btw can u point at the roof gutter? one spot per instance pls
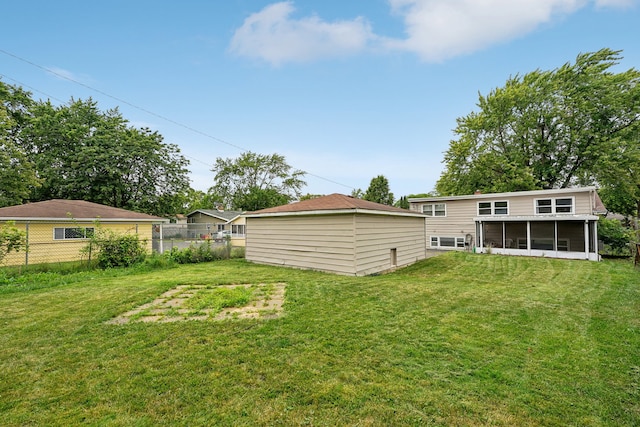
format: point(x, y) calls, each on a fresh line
point(336, 212)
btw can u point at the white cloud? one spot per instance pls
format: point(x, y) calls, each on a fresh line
point(435, 30)
point(441, 29)
point(62, 73)
point(273, 36)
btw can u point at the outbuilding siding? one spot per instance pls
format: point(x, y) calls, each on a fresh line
point(352, 244)
point(320, 242)
point(378, 235)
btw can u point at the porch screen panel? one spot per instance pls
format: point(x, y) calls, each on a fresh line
point(571, 236)
point(493, 234)
point(543, 235)
point(515, 235)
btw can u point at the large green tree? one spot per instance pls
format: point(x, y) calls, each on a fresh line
point(548, 129)
point(17, 172)
point(379, 192)
point(81, 152)
point(256, 181)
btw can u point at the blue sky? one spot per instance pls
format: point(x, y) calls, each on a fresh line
point(345, 90)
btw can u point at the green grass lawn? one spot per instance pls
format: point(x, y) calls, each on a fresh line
point(459, 339)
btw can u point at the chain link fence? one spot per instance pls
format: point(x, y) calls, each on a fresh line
point(48, 243)
point(169, 236)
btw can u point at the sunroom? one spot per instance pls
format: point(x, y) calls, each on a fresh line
point(571, 236)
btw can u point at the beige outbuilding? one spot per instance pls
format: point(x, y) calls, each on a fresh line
point(336, 233)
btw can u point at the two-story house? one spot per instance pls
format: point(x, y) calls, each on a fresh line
point(559, 223)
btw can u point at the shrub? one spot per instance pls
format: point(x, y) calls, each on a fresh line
point(204, 252)
point(615, 236)
point(117, 250)
point(11, 239)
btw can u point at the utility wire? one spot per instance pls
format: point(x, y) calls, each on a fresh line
point(167, 119)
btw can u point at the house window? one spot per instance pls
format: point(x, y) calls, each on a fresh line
point(493, 208)
point(564, 205)
point(72, 233)
point(554, 206)
point(237, 229)
point(435, 209)
point(447, 242)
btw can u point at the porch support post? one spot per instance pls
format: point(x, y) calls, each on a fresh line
point(481, 231)
point(586, 238)
point(529, 237)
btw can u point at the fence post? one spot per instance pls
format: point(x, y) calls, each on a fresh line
point(26, 247)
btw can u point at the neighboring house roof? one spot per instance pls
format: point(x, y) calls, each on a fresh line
point(220, 214)
point(333, 203)
point(598, 207)
point(58, 209)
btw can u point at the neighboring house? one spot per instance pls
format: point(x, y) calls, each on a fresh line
point(336, 233)
point(560, 223)
point(212, 223)
point(57, 230)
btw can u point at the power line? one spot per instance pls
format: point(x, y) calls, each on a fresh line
point(32, 88)
point(144, 110)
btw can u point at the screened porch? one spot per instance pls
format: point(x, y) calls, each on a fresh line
point(573, 237)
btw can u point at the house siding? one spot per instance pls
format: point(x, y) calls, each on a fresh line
point(460, 213)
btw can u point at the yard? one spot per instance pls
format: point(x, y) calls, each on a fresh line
point(458, 339)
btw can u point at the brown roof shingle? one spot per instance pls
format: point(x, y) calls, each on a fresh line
point(71, 209)
point(333, 202)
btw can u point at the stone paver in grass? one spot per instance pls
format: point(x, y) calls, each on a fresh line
point(210, 302)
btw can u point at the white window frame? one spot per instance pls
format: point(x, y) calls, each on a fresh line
point(433, 211)
point(238, 229)
point(554, 207)
point(86, 233)
point(459, 242)
point(492, 207)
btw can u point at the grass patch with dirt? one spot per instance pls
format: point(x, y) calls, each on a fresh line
point(458, 339)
